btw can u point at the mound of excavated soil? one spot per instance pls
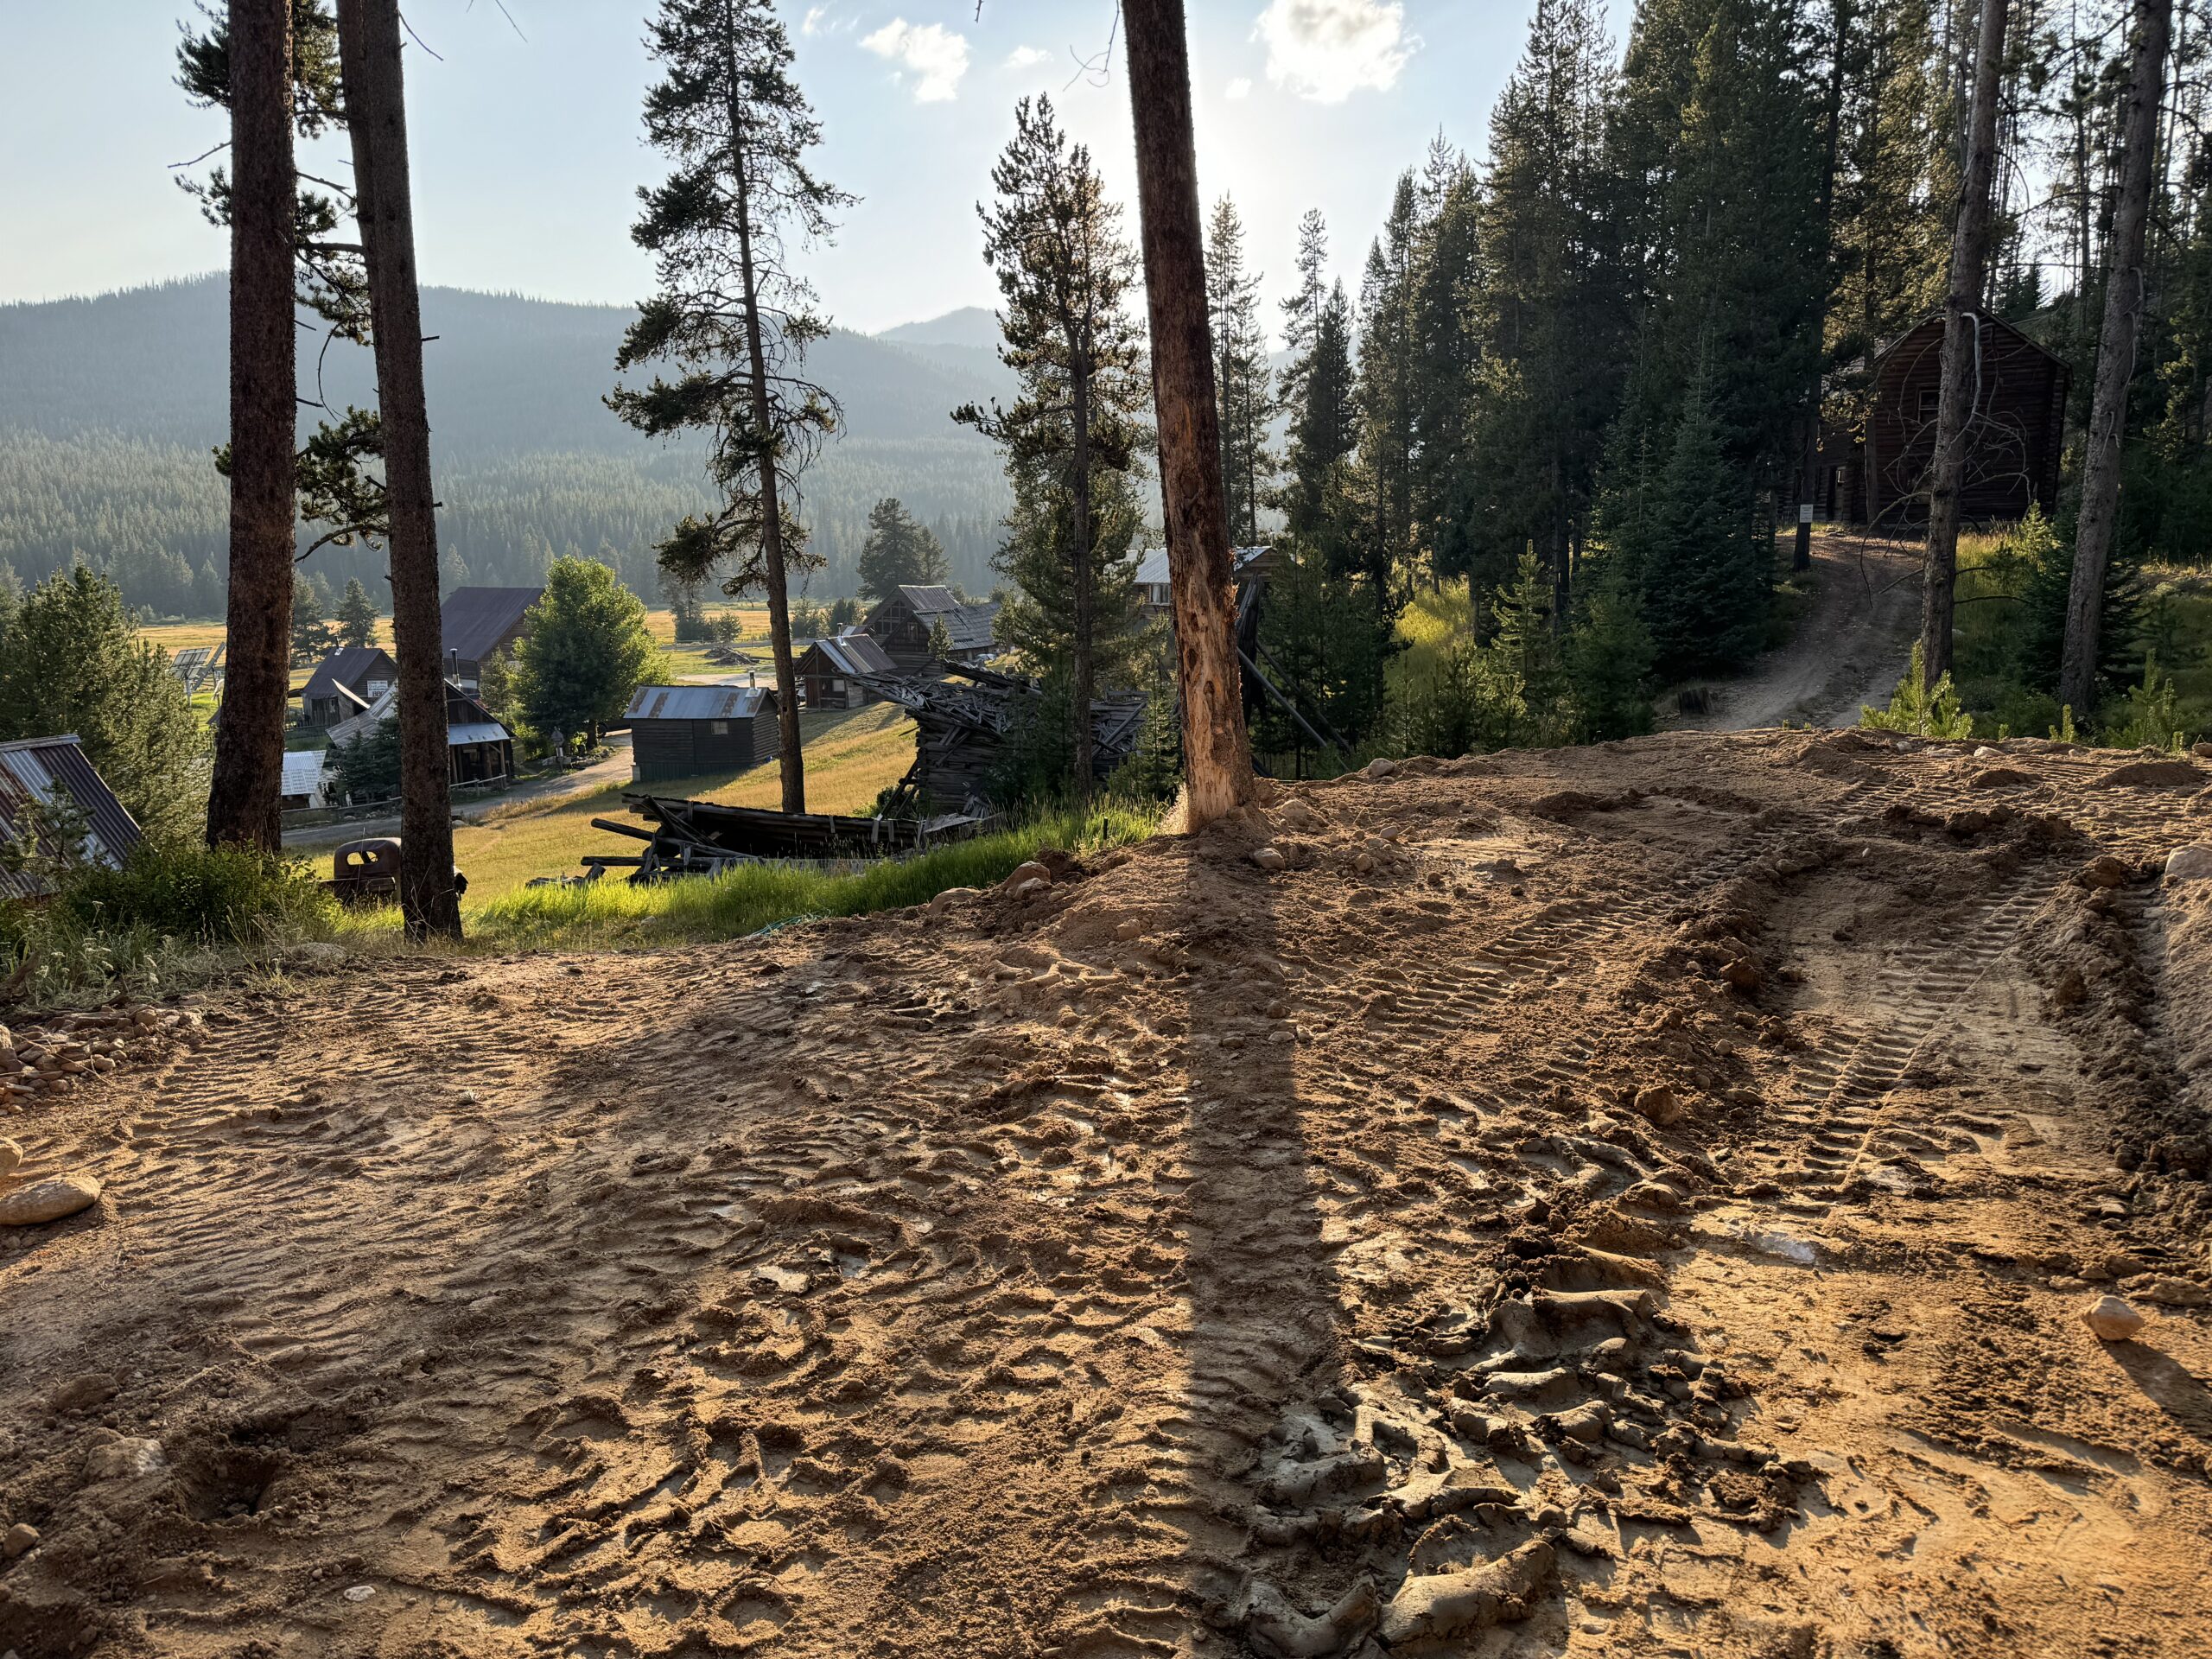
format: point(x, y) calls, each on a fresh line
point(1638, 1199)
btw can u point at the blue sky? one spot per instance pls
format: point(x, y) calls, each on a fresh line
point(527, 154)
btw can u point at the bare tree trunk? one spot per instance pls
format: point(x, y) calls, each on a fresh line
point(243, 803)
point(1216, 753)
point(1962, 376)
point(376, 104)
point(791, 761)
point(1086, 619)
point(2124, 280)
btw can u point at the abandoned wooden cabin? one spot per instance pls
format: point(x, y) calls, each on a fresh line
point(475, 624)
point(831, 674)
point(904, 625)
point(688, 731)
point(479, 749)
point(345, 683)
point(1879, 475)
point(1246, 563)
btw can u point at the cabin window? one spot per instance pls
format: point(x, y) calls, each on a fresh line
point(721, 727)
point(1930, 400)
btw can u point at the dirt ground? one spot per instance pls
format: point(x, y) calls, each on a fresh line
point(1849, 652)
point(1631, 1200)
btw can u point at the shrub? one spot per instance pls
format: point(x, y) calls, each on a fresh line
point(1930, 711)
point(227, 896)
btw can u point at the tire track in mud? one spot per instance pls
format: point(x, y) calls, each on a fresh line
point(1841, 1099)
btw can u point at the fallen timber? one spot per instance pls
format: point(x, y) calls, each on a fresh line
point(705, 838)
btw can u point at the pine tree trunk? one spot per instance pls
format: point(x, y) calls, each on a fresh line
point(243, 799)
point(1962, 380)
point(2124, 280)
point(791, 761)
point(1216, 752)
point(376, 104)
point(1079, 550)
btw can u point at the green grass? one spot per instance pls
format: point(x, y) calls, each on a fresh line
point(611, 914)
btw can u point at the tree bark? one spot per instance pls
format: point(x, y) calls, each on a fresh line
point(1086, 617)
point(1961, 375)
point(791, 761)
point(2125, 282)
point(1216, 752)
point(243, 799)
point(369, 48)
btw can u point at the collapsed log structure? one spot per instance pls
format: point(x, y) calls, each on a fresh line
point(706, 838)
point(966, 723)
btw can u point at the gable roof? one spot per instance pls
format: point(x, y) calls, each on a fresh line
point(54, 769)
point(1934, 320)
point(469, 725)
point(969, 625)
point(854, 653)
point(344, 665)
point(699, 701)
point(474, 620)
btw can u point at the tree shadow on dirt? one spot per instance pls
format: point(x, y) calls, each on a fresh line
point(2169, 1385)
point(1264, 1295)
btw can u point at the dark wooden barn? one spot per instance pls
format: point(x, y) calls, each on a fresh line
point(478, 623)
point(1880, 475)
point(831, 672)
point(345, 683)
point(903, 623)
point(687, 731)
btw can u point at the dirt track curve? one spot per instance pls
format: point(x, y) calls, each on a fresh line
point(1631, 1200)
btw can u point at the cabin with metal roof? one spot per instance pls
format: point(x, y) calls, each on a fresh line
point(833, 673)
point(903, 623)
point(480, 750)
point(1878, 474)
point(476, 624)
point(56, 811)
point(688, 731)
point(306, 779)
point(345, 683)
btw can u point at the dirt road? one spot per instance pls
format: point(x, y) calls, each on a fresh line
point(1849, 652)
point(1632, 1200)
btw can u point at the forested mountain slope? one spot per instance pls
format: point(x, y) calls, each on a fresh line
point(109, 406)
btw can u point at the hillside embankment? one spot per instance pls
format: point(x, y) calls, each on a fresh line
point(1639, 1200)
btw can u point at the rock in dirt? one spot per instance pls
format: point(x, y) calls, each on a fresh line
point(126, 1460)
point(2111, 1320)
point(21, 1540)
point(1268, 859)
point(1022, 874)
point(10, 1156)
point(1659, 1104)
point(1277, 1628)
point(1300, 816)
point(2172, 1292)
point(1448, 1604)
point(2191, 863)
point(949, 897)
point(48, 1200)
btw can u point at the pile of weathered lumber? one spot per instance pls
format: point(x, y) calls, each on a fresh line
point(965, 723)
point(705, 838)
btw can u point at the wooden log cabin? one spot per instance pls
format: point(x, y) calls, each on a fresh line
point(1879, 475)
point(689, 731)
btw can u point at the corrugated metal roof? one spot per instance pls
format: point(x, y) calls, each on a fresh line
point(303, 771)
point(475, 731)
point(474, 620)
point(968, 626)
point(856, 653)
point(698, 702)
point(49, 769)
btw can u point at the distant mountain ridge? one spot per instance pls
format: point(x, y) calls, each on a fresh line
point(109, 406)
point(970, 326)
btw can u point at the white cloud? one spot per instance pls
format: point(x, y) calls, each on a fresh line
point(1028, 57)
point(814, 17)
point(933, 54)
point(1328, 49)
point(1240, 87)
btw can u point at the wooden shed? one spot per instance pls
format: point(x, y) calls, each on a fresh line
point(830, 673)
point(345, 683)
point(1879, 475)
point(687, 731)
